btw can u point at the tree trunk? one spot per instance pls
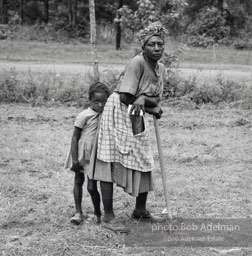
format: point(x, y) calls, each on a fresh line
point(118, 28)
point(93, 39)
point(220, 5)
point(46, 11)
point(75, 7)
point(55, 9)
point(21, 11)
point(2, 11)
point(70, 14)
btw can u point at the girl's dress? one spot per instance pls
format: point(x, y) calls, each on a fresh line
point(88, 121)
point(121, 157)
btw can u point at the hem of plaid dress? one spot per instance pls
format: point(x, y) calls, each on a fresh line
point(132, 181)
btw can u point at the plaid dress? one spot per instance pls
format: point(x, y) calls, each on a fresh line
point(116, 142)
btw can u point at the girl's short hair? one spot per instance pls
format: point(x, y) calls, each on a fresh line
point(98, 87)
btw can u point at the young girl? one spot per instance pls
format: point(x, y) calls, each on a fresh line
point(85, 128)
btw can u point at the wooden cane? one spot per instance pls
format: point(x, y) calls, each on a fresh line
point(164, 174)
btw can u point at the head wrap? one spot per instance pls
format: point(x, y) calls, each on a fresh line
point(154, 29)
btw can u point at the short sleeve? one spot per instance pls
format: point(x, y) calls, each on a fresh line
point(132, 76)
point(80, 120)
point(164, 80)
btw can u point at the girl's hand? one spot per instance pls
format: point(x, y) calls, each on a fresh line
point(76, 167)
point(138, 105)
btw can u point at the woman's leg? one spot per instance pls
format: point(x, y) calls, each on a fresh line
point(140, 211)
point(95, 196)
point(141, 203)
point(107, 199)
point(77, 190)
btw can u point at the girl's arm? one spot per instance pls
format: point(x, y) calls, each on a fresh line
point(74, 146)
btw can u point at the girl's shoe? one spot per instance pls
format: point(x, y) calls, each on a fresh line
point(77, 219)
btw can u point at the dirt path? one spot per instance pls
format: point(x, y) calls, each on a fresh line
point(202, 72)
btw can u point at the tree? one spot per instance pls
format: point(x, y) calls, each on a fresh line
point(220, 5)
point(93, 38)
point(118, 27)
point(21, 10)
point(46, 11)
point(72, 6)
point(75, 7)
point(209, 28)
point(70, 14)
point(3, 11)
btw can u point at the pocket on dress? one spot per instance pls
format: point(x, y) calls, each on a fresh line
point(122, 141)
point(141, 142)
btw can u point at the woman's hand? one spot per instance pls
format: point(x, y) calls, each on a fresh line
point(138, 105)
point(156, 111)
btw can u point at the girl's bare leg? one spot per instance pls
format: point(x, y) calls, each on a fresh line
point(96, 199)
point(77, 191)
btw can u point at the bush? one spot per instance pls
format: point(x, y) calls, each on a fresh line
point(243, 44)
point(49, 88)
point(9, 91)
point(208, 28)
point(221, 91)
point(57, 31)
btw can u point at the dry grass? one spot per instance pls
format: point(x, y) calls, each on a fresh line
point(208, 159)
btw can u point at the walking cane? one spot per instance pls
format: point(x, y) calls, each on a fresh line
point(164, 174)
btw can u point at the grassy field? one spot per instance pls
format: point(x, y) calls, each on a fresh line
point(207, 156)
point(81, 53)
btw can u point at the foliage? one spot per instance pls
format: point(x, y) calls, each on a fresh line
point(209, 27)
point(171, 60)
point(33, 12)
point(44, 32)
point(243, 44)
point(52, 88)
point(169, 13)
point(220, 91)
point(49, 88)
point(136, 20)
point(219, 18)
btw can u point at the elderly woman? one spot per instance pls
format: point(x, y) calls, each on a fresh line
point(123, 151)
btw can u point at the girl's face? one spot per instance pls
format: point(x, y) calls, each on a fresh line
point(154, 48)
point(98, 101)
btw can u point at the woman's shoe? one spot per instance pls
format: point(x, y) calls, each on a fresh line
point(147, 217)
point(116, 225)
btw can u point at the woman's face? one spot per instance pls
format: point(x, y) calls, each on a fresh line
point(154, 48)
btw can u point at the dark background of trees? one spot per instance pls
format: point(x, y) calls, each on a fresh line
point(182, 17)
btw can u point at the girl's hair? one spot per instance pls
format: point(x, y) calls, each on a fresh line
point(98, 87)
